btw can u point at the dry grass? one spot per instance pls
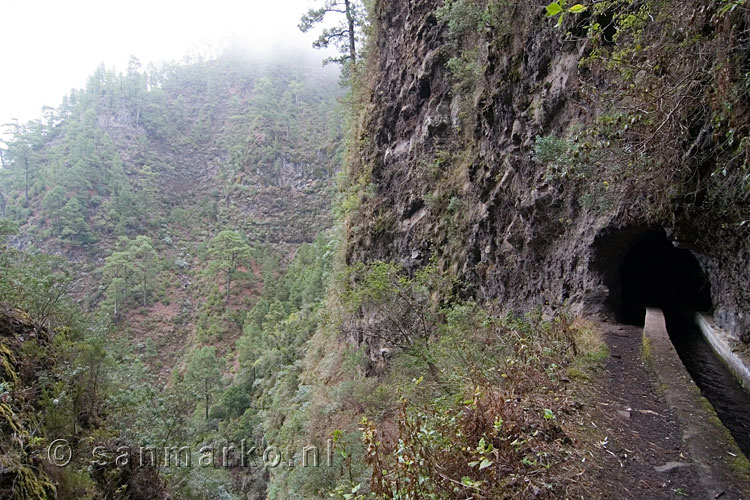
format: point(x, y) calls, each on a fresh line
point(513, 435)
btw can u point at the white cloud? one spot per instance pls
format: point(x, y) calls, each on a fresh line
point(52, 46)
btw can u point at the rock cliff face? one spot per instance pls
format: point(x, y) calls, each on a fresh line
point(454, 166)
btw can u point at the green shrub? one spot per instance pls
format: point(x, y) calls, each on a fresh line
point(558, 155)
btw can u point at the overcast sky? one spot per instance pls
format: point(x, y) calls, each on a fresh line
point(50, 47)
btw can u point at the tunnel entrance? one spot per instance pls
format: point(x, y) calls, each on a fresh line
point(656, 274)
point(642, 268)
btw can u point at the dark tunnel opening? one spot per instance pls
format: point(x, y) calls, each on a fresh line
point(656, 274)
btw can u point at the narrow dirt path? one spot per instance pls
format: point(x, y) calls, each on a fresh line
point(643, 456)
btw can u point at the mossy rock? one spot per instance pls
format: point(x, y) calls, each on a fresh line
point(7, 365)
point(31, 486)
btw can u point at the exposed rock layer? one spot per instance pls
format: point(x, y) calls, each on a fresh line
point(455, 177)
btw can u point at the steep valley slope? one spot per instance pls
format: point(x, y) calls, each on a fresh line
point(177, 154)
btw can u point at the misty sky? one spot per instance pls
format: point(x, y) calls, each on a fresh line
point(50, 47)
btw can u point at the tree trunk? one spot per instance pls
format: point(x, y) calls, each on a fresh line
point(229, 283)
point(350, 20)
point(26, 182)
point(208, 396)
point(229, 277)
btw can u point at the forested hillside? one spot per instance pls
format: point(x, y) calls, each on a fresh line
point(124, 155)
point(156, 181)
point(173, 199)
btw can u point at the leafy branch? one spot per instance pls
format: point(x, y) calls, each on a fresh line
point(559, 8)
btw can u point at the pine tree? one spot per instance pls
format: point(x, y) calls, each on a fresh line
point(228, 250)
point(117, 271)
point(53, 202)
point(144, 260)
point(204, 373)
point(344, 35)
point(74, 226)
